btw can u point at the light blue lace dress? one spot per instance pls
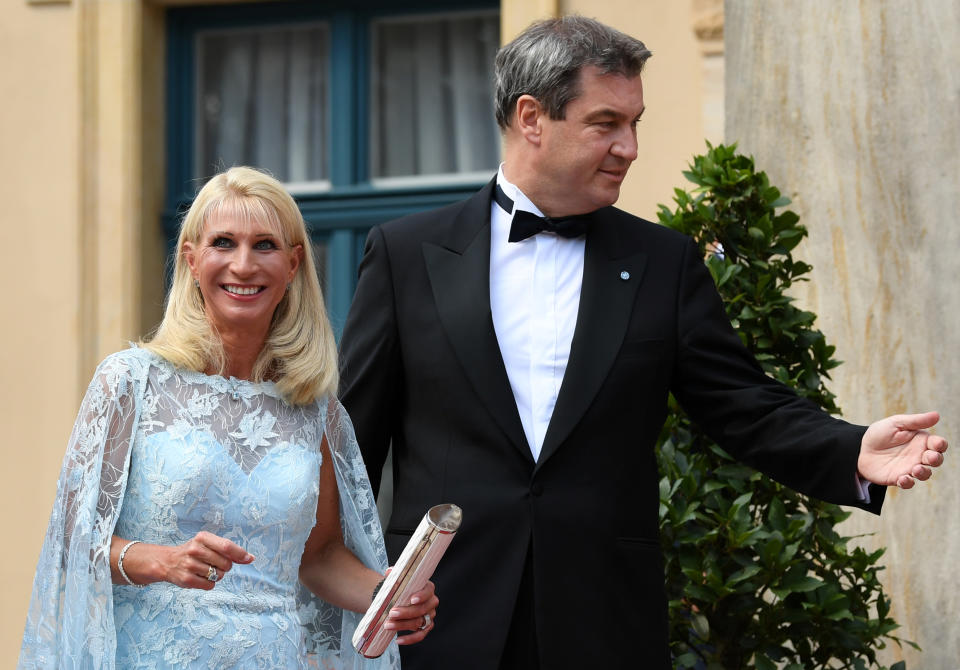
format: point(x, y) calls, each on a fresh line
point(158, 454)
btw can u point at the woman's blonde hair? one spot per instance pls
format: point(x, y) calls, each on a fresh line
point(300, 353)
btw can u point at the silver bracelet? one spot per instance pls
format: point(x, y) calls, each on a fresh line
point(120, 564)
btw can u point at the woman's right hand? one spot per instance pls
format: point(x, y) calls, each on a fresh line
point(189, 564)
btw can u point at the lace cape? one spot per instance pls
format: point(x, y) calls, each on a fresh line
point(70, 620)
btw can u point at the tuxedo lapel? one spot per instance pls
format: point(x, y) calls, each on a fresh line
point(459, 272)
point(611, 276)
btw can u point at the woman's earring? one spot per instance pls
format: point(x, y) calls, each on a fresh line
point(288, 286)
point(196, 282)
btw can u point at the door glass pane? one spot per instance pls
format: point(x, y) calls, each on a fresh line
point(262, 100)
point(432, 95)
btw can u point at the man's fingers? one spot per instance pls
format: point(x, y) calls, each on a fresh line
point(916, 421)
point(905, 482)
point(932, 458)
point(921, 472)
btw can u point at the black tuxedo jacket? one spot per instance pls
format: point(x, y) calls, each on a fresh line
point(422, 369)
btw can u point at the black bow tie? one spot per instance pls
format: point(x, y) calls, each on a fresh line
point(527, 224)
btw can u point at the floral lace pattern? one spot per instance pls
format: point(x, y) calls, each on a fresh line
point(158, 454)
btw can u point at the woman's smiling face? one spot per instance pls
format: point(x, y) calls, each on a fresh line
point(243, 267)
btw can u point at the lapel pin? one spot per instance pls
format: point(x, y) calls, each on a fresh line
point(624, 275)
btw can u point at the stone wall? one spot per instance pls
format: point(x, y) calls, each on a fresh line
point(853, 110)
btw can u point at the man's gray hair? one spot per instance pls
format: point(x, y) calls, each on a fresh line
point(545, 61)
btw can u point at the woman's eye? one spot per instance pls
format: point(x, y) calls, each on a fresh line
point(222, 242)
point(264, 245)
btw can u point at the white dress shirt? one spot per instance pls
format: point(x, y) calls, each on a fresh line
point(534, 301)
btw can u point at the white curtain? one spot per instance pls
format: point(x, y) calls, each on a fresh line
point(432, 95)
point(262, 97)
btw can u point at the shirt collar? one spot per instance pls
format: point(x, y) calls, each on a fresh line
point(520, 201)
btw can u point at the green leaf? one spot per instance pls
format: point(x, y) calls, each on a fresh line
point(802, 584)
point(742, 500)
point(744, 574)
point(840, 614)
point(776, 515)
point(772, 551)
point(700, 593)
point(665, 489)
point(701, 626)
point(712, 485)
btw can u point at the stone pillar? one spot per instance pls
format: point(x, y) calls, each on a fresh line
point(852, 109)
point(708, 27)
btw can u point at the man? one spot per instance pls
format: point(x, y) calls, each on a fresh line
point(523, 375)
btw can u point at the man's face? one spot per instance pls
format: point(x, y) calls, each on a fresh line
point(584, 157)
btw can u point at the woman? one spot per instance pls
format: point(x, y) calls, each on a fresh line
point(212, 492)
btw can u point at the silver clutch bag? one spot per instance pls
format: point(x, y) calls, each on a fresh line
point(412, 570)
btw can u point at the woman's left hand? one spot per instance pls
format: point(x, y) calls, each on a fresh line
point(419, 616)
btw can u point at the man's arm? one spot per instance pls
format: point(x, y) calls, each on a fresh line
point(766, 425)
point(371, 369)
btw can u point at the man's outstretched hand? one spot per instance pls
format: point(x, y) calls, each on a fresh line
point(898, 450)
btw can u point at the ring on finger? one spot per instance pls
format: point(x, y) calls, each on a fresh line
point(426, 622)
point(212, 574)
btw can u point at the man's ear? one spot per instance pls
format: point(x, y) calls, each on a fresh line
point(529, 118)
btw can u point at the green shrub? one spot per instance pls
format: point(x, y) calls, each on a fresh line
point(757, 575)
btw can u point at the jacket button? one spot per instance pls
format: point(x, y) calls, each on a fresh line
point(537, 489)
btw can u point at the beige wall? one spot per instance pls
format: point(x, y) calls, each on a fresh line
point(852, 108)
point(82, 135)
point(40, 192)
